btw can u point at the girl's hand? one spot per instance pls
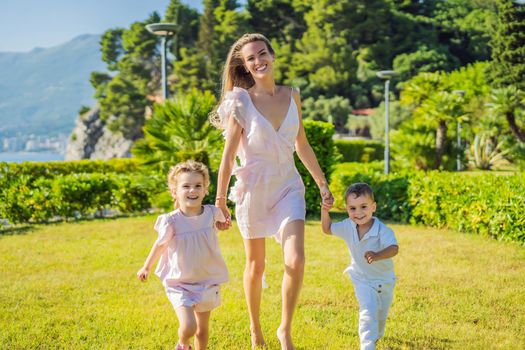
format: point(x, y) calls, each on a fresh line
point(143, 274)
point(221, 204)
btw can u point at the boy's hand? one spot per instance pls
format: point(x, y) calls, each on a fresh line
point(143, 274)
point(326, 205)
point(370, 257)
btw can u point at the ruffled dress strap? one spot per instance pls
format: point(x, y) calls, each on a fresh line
point(234, 104)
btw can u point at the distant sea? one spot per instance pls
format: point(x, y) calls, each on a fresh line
point(19, 157)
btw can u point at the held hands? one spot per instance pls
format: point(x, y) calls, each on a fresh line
point(371, 257)
point(143, 274)
point(326, 205)
point(326, 195)
point(221, 204)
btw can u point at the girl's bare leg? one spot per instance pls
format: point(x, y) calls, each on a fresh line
point(255, 253)
point(187, 324)
point(203, 333)
point(293, 250)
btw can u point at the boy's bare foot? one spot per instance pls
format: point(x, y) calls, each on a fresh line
point(285, 338)
point(257, 339)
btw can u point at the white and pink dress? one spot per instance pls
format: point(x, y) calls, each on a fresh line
point(268, 192)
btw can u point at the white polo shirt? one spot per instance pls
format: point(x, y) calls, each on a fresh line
point(376, 239)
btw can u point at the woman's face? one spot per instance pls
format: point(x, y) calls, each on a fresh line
point(257, 59)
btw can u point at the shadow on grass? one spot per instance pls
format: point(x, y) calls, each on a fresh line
point(18, 230)
point(334, 215)
point(422, 343)
point(25, 228)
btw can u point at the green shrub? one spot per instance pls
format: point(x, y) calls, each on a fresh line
point(319, 136)
point(41, 192)
point(360, 150)
point(16, 197)
point(487, 204)
point(50, 169)
point(82, 194)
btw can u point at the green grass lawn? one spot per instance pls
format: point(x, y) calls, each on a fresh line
point(73, 286)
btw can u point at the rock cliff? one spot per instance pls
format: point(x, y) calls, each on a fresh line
point(91, 139)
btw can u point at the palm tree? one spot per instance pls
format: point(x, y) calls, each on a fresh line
point(178, 130)
point(442, 108)
point(434, 105)
point(509, 102)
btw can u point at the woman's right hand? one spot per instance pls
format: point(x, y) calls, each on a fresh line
point(221, 204)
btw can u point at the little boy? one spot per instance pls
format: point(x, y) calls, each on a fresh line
point(371, 245)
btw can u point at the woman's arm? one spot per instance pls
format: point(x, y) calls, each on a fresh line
point(233, 138)
point(307, 155)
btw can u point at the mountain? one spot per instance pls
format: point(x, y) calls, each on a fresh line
point(41, 91)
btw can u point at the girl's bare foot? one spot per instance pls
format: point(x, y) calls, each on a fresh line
point(285, 338)
point(257, 339)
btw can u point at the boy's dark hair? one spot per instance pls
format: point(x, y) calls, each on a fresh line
point(359, 189)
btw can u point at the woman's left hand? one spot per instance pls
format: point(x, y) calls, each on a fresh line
point(326, 195)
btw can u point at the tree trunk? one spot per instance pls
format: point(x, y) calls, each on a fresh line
point(441, 136)
point(520, 134)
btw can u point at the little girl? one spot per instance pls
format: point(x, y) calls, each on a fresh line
point(191, 266)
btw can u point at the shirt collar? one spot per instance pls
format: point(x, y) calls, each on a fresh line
point(374, 230)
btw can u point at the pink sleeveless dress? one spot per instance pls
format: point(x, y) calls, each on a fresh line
point(268, 192)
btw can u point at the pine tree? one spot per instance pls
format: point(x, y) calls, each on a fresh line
point(220, 25)
point(508, 63)
point(132, 57)
point(508, 46)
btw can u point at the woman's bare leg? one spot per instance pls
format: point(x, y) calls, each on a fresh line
point(255, 253)
point(293, 250)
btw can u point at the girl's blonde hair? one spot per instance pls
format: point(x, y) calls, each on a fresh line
point(234, 72)
point(189, 166)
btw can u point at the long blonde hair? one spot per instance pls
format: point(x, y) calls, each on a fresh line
point(189, 166)
point(234, 73)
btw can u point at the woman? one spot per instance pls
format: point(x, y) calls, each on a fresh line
point(263, 127)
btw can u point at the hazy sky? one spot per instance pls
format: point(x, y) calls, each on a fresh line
point(26, 24)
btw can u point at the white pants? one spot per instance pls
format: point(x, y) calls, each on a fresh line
point(374, 301)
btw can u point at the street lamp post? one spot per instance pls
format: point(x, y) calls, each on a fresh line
point(458, 133)
point(164, 30)
point(386, 75)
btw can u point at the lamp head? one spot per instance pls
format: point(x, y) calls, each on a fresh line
point(386, 74)
point(162, 29)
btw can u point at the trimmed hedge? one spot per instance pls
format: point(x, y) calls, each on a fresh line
point(487, 204)
point(360, 150)
point(319, 136)
point(45, 191)
point(72, 196)
point(50, 169)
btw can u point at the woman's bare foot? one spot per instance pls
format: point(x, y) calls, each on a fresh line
point(285, 338)
point(257, 339)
